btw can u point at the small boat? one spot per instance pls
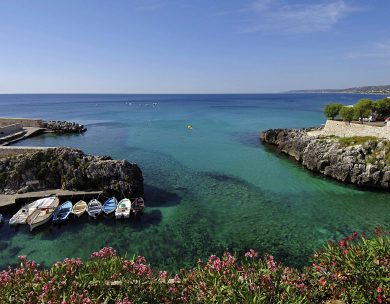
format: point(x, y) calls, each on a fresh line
point(61, 214)
point(1, 218)
point(43, 213)
point(94, 208)
point(123, 209)
point(79, 208)
point(110, 205)
point(20, 217)
point(138, 205)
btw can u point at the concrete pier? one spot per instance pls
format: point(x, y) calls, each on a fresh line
point(15, 201)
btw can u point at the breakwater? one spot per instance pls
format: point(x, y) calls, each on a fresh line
point(15, 129)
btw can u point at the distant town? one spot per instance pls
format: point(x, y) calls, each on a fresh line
point(383, 89)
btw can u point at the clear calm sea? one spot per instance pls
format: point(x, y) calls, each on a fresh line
point(210, 189)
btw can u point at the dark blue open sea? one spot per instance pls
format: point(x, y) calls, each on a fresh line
point(210, 189)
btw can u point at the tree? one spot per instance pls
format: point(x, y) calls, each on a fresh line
point(332, 110)
point(382, 107)
point(363, 108)
point(347, 113)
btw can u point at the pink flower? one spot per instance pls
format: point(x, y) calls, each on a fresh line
point(322, 281)
point(22, 258)
point(124, 301)
point(163, 275)
point(271, 263)
point(251, 254)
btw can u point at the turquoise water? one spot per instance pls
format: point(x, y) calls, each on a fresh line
point(210, 189)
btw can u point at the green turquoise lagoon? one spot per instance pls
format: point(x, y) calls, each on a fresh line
point(209, 189)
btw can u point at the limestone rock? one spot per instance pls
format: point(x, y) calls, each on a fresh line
point(327, 156)
point(64, 127)
point(69, 169)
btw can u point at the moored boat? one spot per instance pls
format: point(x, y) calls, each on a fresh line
point(61, 214)
point(110, 206)
point(123, 209)
point(1, 218)
point(20, 217)
point(94, 208)
point(79, 208)
point(43, 213)
point(137, 205)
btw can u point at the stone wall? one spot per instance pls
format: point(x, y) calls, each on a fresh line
point(25, 122)
point(10, 129)
point(345, 129)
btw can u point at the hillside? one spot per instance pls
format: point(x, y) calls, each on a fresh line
point(383, 89)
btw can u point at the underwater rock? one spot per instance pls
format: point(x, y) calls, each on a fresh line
point(69, 169)
point(363, 165)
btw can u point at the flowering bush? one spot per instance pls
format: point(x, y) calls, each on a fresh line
point(354, 270)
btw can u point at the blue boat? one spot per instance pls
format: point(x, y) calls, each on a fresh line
point(110, 205)
point(61, 214)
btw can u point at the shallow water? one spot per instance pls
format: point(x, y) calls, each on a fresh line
point(209, 189)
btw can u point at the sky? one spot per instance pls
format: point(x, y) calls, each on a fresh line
point(183, 46)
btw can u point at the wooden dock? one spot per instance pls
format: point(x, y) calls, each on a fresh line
point(14, 201)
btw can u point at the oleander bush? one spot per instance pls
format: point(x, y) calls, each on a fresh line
point(354, 270)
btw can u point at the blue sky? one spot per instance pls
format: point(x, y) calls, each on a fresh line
point(182, 46)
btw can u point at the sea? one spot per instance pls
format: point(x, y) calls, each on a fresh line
point(209, 189)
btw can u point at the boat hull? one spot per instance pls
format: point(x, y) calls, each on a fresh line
point(61, 214)
point(40, 223)
point(110, 206)
point(79, 208)
point(94, 208)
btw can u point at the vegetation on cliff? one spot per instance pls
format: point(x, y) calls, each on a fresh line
point(362, 109)
point(354, 270)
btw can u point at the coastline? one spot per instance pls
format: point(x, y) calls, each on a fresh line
point(362, 164)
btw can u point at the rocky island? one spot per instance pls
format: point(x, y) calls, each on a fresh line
point(362, 161)
point(70, 169)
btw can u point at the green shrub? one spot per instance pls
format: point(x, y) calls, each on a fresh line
point(332, 110)
point(355, 140)
point(354, 270)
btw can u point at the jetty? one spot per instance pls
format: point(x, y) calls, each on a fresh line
point(14, 201)
point(15, 129)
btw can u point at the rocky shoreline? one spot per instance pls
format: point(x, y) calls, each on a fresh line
point(365, 165)
point(70, 169)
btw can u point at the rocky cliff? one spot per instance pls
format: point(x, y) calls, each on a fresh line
point(365, 164)
point(69, 169)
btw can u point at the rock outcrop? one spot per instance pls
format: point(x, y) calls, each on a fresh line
point(365, 165)
point(64, 127)
point(69, 169)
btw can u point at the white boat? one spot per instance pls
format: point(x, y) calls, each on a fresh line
point(1, 218)
point(21, 216)
point(123, 209)
point(79, 208)
point(94, 208)
point(43, 213)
